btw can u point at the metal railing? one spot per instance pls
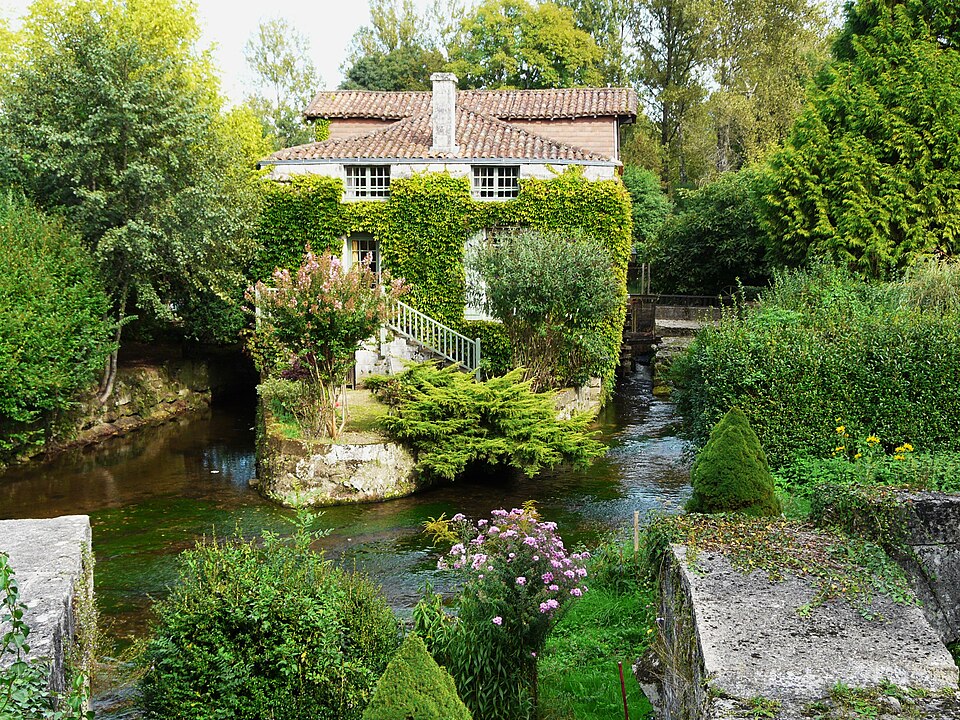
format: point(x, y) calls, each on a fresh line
point(435, 336)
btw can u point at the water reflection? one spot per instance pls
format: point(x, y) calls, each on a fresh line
point(154, 494)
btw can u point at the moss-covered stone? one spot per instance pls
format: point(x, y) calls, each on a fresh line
point(414, 687)
point(731, 472)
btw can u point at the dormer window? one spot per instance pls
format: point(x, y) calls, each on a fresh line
point(368, 181)
point(496, 182)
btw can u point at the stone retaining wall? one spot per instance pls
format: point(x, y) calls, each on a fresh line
point(585, 399)
point(54, 569)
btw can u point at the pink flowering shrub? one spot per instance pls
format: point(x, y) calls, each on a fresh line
point(319, 314)
point(518, 578)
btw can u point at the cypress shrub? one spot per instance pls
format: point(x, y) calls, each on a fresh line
point(731, 472)
point(414, 687)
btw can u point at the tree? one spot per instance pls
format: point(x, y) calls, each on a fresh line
point(649, 205)
point(404, 68)
point(54, 336)
point(713, 241)
point(319, 315)
point(551, 292)
point(285, 81)
point(608, 23)
point(513, 44)
point(731, 472)
point(112, 118)
point(869, 175)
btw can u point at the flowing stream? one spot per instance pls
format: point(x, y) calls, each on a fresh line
point(156, 492)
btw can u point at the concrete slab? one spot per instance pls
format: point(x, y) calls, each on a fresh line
point(731, 635)
point(48, 557)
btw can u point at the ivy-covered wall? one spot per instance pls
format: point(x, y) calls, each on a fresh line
point(423, 227)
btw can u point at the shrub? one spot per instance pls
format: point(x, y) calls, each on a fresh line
point(414, 687)
point(731, 472)
point(53, 336)
point(822, 345)
point(519, 579)
point(713, 241)
point(271, 629)
point(453, 422)
point(551, 292)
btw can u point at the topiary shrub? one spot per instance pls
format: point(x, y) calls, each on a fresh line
point(731, 472)
point(414, 687)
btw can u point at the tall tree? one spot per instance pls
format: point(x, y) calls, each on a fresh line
point(285, 80)
point(515, 44)
point(112, 118)
point(672, 42)
point(401, 48)
point(870, 174)
point(608, 22)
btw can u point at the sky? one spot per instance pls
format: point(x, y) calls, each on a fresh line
point(328, 24)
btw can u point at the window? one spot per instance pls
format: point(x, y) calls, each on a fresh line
point(362, 246)
point(496, 182)
point(368, 181)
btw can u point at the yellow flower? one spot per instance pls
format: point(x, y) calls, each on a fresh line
point(873, 439)
point(908, 447)
point(839, 448)
point(841, 429)
point(905, 448)
point(898, 457)
point(857, 456)
point(838, 420)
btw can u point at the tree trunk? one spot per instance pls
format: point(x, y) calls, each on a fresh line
point(110, 366)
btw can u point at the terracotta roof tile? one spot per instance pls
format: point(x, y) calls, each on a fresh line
point(502, 104)
point(479, 137)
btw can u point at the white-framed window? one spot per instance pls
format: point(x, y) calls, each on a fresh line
point(362, 245)
point(496, 182)
point(368, 181)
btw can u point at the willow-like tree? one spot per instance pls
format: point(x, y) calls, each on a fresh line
point(870, 175)
point(111, 117)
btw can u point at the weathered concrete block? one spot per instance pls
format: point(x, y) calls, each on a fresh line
point(729, 636)
point(52, 562)
point(933, 536)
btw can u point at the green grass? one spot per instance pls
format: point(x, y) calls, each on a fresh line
point(614, 620)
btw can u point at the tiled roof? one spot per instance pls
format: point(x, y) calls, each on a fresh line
point(502, 104)
point(479, 137)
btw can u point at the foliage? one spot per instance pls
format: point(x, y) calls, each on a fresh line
point(868, 176)
point(285, 80)
point(113, 119)
point(518, 44)
point(496, 354)
point(821, 345)
point(608, 23)
point(320, 314)
point(731, 472)
point(519, 577)
point(266, 629)
point(405, 68)
point(650, 208)
point(53, 335)
point(414, 687)
point(615, 620)
point(424, 225)
point(551, 292)
point(24, 684)
point(454, 422)
point(839, 566)
point(713, 241)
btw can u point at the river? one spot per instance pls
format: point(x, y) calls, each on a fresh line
point(156, 492)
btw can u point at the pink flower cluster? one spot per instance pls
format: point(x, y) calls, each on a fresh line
point(519, 549)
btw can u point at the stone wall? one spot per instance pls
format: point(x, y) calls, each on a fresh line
point(387, 354)
point(54, 569)
point(365, 467)
point(585, 399)
point(142, 395)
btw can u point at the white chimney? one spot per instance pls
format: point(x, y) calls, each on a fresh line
point(444, 113)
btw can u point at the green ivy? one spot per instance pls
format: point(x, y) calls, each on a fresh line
point(423, 227)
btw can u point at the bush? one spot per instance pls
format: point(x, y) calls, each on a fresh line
point(414, 687)
point(713, 241)
point(453, 422)
point(266, 630)
point(551, 292)
point(53, 336)
point(519, 579)
point(820, 346)
point(650, 207)
point(731, 472)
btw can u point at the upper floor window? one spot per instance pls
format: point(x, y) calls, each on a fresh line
point(496, 182)
point(368, 181)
